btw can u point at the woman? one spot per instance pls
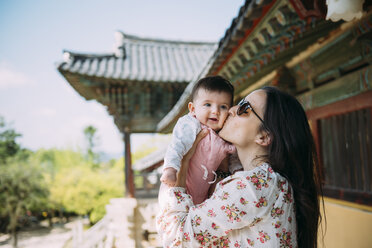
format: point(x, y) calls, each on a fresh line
point(273, 202)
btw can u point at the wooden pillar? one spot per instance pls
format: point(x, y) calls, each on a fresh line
point(128, 172)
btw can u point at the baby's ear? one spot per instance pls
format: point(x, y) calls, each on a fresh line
point(191, 107)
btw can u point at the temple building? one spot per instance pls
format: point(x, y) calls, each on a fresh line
point(326, 65)
point(138, 83)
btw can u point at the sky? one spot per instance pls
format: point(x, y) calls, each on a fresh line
point(38, 102)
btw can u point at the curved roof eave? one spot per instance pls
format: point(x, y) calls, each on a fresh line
point(142, 59)
point(249, 11)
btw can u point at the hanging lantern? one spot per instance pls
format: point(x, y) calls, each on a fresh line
point(344, 9)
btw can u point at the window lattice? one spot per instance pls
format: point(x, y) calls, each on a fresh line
point(346, 152)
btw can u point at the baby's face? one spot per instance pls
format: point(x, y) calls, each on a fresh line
point(211, 108)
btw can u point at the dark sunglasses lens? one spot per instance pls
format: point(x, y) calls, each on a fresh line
point(242, 108)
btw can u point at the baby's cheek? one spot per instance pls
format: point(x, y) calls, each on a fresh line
point(223, 116)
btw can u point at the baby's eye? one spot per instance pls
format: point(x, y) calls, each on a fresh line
point(223, 107)
point(207, 104)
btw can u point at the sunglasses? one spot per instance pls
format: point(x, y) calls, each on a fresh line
point(243, 106)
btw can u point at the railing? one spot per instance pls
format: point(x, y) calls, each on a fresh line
point(129, 222)
point(98, 236)
point(115, 229)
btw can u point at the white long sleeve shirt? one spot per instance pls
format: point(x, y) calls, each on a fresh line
point(183, 137)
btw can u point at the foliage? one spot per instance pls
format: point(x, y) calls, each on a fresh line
point(92, 140)
point(8, 144)
point(22, 184)
point(22, 187)
point(85, 191)
point(75, 186)
point(55, 163)
point(61, 180)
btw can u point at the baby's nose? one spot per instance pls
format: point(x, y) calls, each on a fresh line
point(215, 110)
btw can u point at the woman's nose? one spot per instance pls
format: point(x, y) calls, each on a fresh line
point(232, 110)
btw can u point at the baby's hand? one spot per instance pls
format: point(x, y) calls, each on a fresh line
point(169, 176)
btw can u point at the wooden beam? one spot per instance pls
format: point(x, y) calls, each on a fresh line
point(349, 85)
point(128, 172)
point(260, 83)
point(360, 101)
point(321, 43)
point(228, 56)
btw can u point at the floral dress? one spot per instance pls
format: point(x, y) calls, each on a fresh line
point(248, 209)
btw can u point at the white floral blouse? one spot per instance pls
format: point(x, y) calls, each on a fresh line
point(248, 209)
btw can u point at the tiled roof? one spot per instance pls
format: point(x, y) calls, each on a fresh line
point(143, 59)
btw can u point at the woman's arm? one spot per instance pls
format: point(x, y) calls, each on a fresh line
point(234, 205)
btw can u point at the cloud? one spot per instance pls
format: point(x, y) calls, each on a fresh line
point(11, 78)
point(47, 112)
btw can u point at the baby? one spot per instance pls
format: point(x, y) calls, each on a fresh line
point(211, 99)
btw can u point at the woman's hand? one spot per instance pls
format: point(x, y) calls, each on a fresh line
point(182, 173)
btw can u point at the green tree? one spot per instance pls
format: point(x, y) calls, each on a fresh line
point(55, 162)
point(8, 144)
point(85, 191)
point(77, 187)
point(92, 140)
point(22, 188)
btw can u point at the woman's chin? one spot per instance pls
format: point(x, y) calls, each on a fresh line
point(223, 134)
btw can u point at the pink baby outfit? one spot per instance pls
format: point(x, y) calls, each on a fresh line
point(208, 156)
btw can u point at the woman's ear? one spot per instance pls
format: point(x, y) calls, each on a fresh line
point(191, 107)
point(263, 138)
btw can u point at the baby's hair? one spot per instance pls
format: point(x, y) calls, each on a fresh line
point(213, 84)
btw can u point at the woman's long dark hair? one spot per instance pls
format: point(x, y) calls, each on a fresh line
point(292, 153)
